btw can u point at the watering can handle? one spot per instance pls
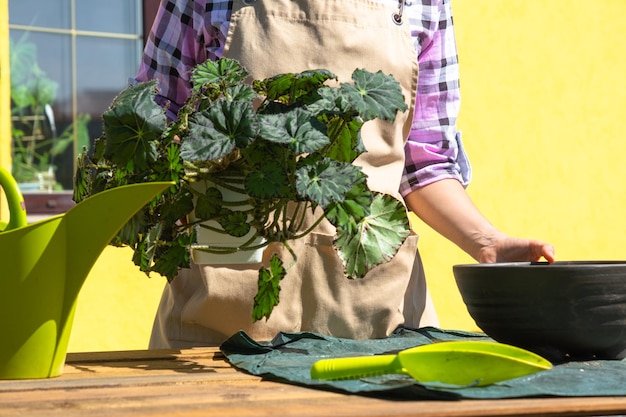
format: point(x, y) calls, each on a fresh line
point(17, 208)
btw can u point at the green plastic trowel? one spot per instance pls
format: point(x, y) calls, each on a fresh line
point(462, 363)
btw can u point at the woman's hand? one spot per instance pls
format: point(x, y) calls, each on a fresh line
point(446, 207)
point(512, 249)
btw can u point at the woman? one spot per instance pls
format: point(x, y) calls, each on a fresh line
point(419, 158)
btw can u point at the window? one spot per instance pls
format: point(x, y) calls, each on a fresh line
point(69, 59)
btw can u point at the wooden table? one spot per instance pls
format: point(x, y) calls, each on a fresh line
point(199, 382)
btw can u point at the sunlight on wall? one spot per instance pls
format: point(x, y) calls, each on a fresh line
point(543, 96)
point(116, 305)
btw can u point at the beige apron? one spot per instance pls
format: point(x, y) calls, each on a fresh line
point(205, 304)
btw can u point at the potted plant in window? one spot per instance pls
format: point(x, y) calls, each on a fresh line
point(283, 146)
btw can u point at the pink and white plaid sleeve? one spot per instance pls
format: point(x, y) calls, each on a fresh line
point(434, 150)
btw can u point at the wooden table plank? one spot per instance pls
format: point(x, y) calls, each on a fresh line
point(199, 382)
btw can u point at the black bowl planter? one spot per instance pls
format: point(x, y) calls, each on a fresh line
point(563, 311)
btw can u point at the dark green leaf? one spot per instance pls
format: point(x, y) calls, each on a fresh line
point(329, 100)
point(81, 178)
point(268, 293)
point(289, 87)
point(375, 95)
point(356, 205)
point(261, 151)
point(240, 93)
point(151, 240)
point(141, 258)
point(322, 101)
point(131, 231)
point(223, 72)
point(298, 129)
point(132, 126)
point(269, 181)
point(177, 207)
point(214, 133)
point(146, 247)
point(174, 257)
point(209, 204)
point(346, 144)
point(274, 107)
point(377, 238)
point(169, 165)
point(98, 149)
point(235, 223)
point(326, 181)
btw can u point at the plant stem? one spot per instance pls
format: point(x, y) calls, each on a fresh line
point(229, 249)
point(311, 228)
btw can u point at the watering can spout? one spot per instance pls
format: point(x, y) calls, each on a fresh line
point(91, 224)
point(44, 267)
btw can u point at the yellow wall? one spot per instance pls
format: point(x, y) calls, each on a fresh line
point(543, 101)
point(116, 306)
point(544, 96)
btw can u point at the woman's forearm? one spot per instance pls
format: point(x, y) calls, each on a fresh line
point(447, 208)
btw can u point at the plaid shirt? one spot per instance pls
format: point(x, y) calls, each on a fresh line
point(188, 32)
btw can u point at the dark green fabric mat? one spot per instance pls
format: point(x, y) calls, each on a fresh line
point(288, 358)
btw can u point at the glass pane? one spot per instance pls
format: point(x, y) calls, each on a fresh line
point(44, 58)
point(42, 13)
point(117, 16)
point(41, 75)
point(104, 67)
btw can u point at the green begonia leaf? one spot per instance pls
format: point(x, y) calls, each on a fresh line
point(235, 223)
point(133, 125)
point(267, 296)
point(298, 129)
point(375, 95)
point(214, 133)
point(377, 238)
point(130, 232)
point(347, 144)
point(240, 93)
point(221, 73)
point(355, 206)
point(151, 243)
point(269, 180)
point(174, 257)
point(290, 87)
point(209, 204)
point(175, 207)
point(169, 165)
point(259, 152)
point(326, 181)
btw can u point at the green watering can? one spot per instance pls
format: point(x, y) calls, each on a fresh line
point(44, 266)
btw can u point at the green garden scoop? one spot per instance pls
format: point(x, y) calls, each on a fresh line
point(462, 363)
point(44, 266)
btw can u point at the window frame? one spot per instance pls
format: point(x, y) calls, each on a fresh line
point(43, 204)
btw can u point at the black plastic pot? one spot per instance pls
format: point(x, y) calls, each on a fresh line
point(562, 311)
